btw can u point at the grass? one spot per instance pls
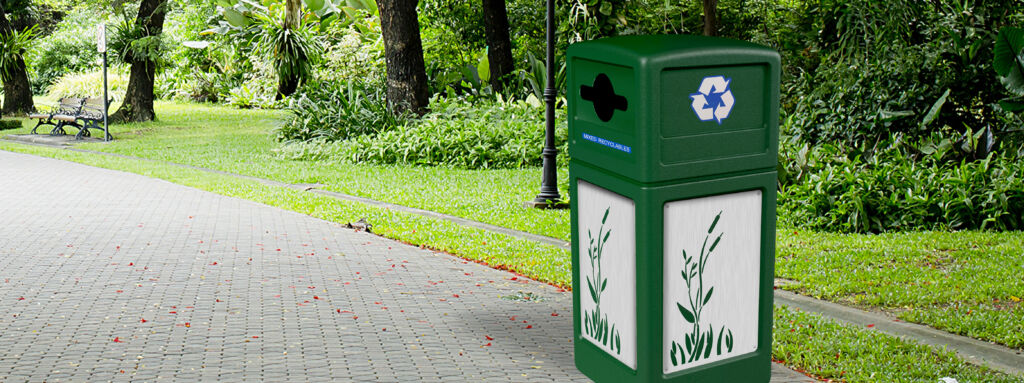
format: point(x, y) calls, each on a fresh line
point(968, 283)
point(837, 352)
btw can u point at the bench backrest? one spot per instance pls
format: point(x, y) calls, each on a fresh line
point(93, 107)
point(70, 105)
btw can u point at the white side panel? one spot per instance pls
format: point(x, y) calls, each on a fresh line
point(721, 237)
point(607, 241)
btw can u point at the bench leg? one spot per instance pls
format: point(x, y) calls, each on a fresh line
point(84, 130)
point(58, 130)
point(41, 123)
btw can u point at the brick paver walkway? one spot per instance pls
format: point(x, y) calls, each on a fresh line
point(113, 276)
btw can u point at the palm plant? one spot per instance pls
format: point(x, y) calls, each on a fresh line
point(12, 49)
point(293, 50)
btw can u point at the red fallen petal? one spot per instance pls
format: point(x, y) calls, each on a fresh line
point(524, 321)
point(143, 320)
point(172, 312)
point(488, 337)
point(554, 314)
point(455, 295)
point(187, 324)
point(529, 326)
point(312, 287)
point(214, 264)
point(376, 303)
point(255, 337)
point(218, 301)
point(316, 297)
point(21, 298)
point(871, 325)
point(120, 291)
point(355, 317)
point(443, 300)
point(513, 278)
point(512, 318)
point(117, 340)
point(278, 249)
point(487, 345)
point(131, 263)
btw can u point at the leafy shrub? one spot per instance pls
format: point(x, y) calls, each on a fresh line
point(336, 113)
point(456, 134)
point(462, 135)
point(90, 84)
point(71, 48)
point(835, 188)
point(911, 67)
point(9, 124)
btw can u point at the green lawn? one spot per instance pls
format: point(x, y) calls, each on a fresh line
point(968, 283)
point(842, 353)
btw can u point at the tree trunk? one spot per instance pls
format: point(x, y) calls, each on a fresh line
point(286, 86)
point(499, 43)
point(17, 91)
point(403, 55)
point(710, 17)
point(292, 13)
point(138, 99)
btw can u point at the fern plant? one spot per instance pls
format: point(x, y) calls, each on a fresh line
point(12, 49)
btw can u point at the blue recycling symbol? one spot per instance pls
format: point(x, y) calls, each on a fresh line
point(713, 100)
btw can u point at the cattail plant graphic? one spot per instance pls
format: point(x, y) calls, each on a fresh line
point(699, 343)
point(595, 324)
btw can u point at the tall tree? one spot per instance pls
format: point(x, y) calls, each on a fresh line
point(499, 43)
point(710, 17)
point(138, 99)
point(403, 56)
point(13, 73)
point(291, 50)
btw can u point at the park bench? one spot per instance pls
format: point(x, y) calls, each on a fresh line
point(81, 113)
point(68, 106)
point(90, 117)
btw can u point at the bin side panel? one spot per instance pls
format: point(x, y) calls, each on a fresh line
point(607, 277)
point(711, 276)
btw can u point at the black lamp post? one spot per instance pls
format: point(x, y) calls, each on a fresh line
point(549, 197)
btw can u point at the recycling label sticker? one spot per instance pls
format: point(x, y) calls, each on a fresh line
point(713, 100)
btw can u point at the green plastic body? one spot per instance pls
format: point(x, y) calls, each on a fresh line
point(653, 149)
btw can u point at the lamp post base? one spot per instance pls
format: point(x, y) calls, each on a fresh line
point(546, 204)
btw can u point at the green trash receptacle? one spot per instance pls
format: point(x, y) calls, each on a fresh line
point(673, 143)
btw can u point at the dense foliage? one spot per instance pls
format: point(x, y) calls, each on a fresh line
point(900, 187)
point(456, 134)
